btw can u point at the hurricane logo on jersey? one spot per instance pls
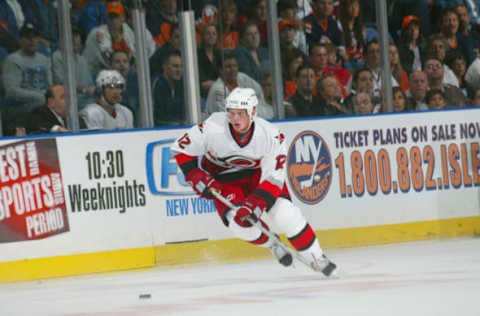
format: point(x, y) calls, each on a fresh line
point(309, 167)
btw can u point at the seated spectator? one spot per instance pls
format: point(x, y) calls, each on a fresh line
point(396, 68)
point(93, 15)
point(403, 8)
point(161, 16)
point(303, 102)
point(252, 59)
point(330, 96)
point(168, 96)
point(335, 68)
point(11, 17)
point(27, 73)
point(436, 99)
point(465, 28)
point(418, 87)
point(362, 103)
point(453, 95)
point(458, 64)
point(229, 79)
point(120, 61)
point(350, 15)
point(257, 14)
point(290, 65)
point(437, 48)
point(84, 81)
point(287, 11)
point(207, 54)
point(411, 44)
point(172, 45)
point(230, 38)
point(51, 117)
point(107, 113)
point(286, 35)
point(399, 100)
point(321, 26)
point(105, 39)
point(318, 57)
point(266, 111)
point(456, 42)
point(362, 80)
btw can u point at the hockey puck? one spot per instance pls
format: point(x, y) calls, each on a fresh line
point(145, 296)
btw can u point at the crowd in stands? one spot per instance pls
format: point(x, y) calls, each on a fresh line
point(330, 57)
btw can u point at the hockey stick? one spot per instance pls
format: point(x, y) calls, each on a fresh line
point(257, 224)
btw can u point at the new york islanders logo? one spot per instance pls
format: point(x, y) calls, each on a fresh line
point(309, 167)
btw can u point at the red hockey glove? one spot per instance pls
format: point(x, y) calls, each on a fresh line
point(252, 208)
point(202, 183)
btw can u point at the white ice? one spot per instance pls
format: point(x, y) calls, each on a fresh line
point(440, 277)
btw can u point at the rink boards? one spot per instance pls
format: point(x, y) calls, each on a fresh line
point(104, 201)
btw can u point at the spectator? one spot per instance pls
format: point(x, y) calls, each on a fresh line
point(229, 79)
point(230, 36)
point(290, 66)
point(403, 8)
point(27, 73)
point(418, 87)
point(266, 111)
point(303, 103)
point(330, 96)
point(321, 26)
point(257, 14)
point(353, 29)
point(51, 117)
point(121, 62)
point(286, 34)
point(372, 61)
point(456, 42)
point(287, 11)
point(362, 80)
point(169, 108)
point(465, 27)
point(334, 66)
point(362, 103)
point(161, 17)
point(105, 39)
point(85, 85)
point(108, 113)
point(399, 100)
point(92, 16)
point(437, 48)
point(252, 59)
point(318, 57)
point(396, 68)
point(411, 44)
point(436, 99)
point(472, 77)
point(458, 64)
point(173, 45)
point(453, 95)
point(207, 58)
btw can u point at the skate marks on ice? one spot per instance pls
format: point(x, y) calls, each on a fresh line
point(418, 278)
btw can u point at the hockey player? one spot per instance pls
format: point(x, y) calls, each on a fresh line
point(244, 159)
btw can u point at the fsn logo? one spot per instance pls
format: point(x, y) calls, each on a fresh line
point(163, 174)
point(309, 167)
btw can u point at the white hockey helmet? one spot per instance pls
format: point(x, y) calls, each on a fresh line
point(109, 77)
point(242, 99)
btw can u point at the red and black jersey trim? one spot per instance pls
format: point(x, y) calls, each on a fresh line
point(211, 167)
point(237, 139)
point(267, 196)
point(186, 163)
point(304, 239)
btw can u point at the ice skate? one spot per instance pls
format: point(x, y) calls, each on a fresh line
point(281, 254)
point(324, 265)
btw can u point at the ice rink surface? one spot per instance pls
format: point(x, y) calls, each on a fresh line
point(440, 277)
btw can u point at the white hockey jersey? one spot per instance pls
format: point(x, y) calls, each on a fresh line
point(228, 158)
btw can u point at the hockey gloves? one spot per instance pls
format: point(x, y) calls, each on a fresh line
point(252, 208)
point(202, 183)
